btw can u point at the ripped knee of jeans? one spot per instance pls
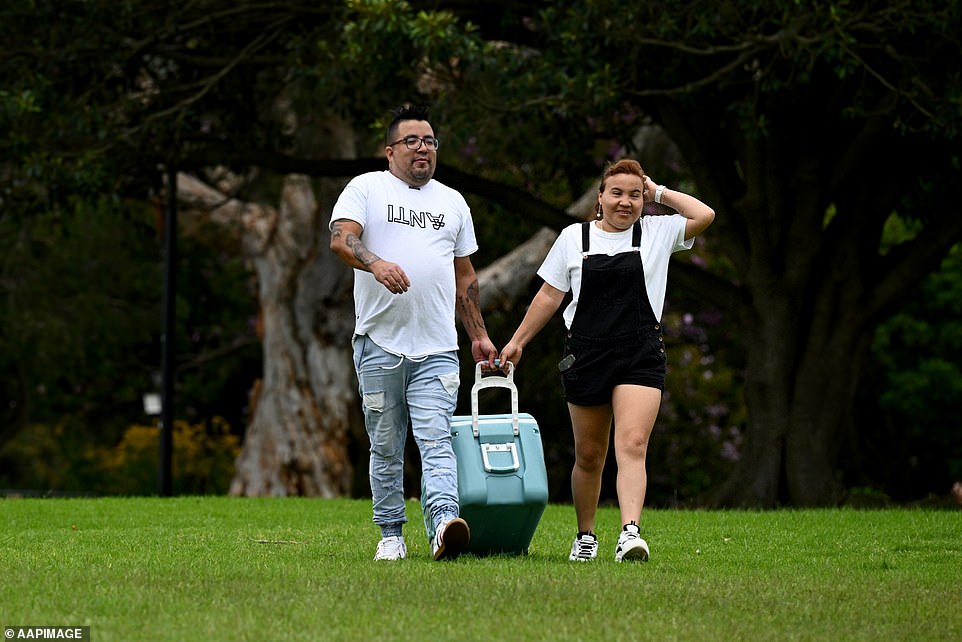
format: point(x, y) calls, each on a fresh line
point(451, 382)
point(373, 401)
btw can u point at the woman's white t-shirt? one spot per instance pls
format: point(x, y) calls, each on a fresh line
point(661, 236)
point(422, 230)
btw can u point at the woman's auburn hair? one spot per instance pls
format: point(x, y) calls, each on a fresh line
point(624, 166)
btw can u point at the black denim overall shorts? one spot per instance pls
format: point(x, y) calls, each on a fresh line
point(614, 337)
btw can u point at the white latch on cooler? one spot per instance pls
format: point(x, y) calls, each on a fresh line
point(500, 448)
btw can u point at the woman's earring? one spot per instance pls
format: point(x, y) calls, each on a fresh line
point(598, 211)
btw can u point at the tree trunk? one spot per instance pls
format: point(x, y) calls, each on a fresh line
point(800, 402)
point(296, 443)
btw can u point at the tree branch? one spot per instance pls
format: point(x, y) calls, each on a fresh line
point(512, 198)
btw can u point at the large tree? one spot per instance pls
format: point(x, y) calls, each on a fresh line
point(805, 126)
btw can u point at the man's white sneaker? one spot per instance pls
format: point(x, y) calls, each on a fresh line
point(630, 545)
point(451, 539)
point(391, 548)
point(584, 548)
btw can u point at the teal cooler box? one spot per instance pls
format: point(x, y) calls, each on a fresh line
point(502, 480)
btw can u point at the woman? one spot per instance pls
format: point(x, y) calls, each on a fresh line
point(616, 268)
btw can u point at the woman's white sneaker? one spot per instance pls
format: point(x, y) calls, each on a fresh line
point(584, 548)
point(631, 546)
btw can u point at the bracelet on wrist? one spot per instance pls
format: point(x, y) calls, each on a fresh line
point(659, 192)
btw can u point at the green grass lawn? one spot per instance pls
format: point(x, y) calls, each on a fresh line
point(218, 568)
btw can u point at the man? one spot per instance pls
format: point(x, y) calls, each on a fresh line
point(409, 239)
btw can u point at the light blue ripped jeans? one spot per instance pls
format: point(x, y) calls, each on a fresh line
point(394, 389)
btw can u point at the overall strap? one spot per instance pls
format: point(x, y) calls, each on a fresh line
point(635, 237)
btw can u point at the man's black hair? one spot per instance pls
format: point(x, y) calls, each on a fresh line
point(407, 111)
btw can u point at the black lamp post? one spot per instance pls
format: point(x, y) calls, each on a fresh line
point(167, 338)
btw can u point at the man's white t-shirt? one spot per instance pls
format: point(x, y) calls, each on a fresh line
point(422, 230)
point(661, 236)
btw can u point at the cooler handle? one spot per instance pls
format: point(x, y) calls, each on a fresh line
point(494, 381)
point(508, 447)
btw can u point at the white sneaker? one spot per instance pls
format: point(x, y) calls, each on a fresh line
point(584, 548)
point(451, 539)
point(630, 545)
point(391, 548)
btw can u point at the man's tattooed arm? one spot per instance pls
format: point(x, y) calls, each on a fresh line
point(346, 243)
point(361, 253)
point(341, 235)
point(469, 309)
point(468, 304)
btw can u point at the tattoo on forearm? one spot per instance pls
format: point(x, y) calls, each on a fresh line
point(364, 256)
point(469, 307)
point(361, 253)
point(474, 294)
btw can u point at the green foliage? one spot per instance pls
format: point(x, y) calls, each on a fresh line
point(78, 317)
point(203, 460)
point(916, 360)
point(541, 93)
point(80, 322)
point(217, 345)
point(52, 459)
point(699, 432)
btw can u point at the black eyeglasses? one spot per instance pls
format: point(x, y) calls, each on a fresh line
point(414, 142)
